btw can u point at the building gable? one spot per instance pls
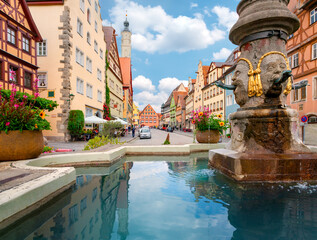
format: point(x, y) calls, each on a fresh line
point(18, 13)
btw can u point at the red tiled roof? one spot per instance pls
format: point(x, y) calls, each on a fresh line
point(193, 81)
point(205, 73)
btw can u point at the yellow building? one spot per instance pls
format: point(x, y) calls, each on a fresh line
point(135, 118)
point(71, 59)
point(213, 95)
point(114, 73)
point(201, 81)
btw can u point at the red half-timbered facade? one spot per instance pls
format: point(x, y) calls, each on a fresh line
point(302, 55)
point(18, 37)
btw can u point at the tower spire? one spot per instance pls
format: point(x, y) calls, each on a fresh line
point(126, 23)
point(126, 39)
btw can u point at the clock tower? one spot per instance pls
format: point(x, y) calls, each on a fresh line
point(126, 40)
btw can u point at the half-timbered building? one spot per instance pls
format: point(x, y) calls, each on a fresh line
point(18, 37)
point(302, 56)
point(114, 73)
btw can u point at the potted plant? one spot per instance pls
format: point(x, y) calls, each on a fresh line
point(208, 126)
point(22, 119)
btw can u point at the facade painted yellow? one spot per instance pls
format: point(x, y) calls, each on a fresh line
point(136, 116)
point(213, 95)
point(71, 60)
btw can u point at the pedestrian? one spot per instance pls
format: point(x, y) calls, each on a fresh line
point(133, 131)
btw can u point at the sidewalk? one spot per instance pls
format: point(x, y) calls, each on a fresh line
point(78, 146)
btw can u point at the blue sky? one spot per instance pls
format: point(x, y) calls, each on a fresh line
point(169, 38)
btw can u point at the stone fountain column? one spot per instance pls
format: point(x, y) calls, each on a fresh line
point(264, 145)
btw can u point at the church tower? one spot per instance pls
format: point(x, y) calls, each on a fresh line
point(126, 40)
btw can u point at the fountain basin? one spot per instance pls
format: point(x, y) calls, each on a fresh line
point(265, 167)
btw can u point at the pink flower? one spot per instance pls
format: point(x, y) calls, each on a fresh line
point(16, 105)
point(7, 124)
point(36, 94)
point(25, 97)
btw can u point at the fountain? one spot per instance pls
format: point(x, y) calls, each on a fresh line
point(264, 142)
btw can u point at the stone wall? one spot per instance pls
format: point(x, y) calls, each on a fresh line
point(66, 44)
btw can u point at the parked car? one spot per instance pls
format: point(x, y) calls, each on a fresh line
point(145, 133)
point(169, 129)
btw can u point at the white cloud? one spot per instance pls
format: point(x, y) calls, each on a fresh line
point(193, 5)
point(155, 99)
point(143, 83)
point(168, 84)
point(207, 12)
point(105, 22)
point(149, 96)
point(226, 17)
point(222, 54)
point(153, 30)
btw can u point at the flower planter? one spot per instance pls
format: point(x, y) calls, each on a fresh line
point(208, 136)
point(18, 145)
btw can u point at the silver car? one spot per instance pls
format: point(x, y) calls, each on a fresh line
point(145, 133)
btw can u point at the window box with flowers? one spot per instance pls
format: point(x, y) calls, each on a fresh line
point(208, 126)
point(22, 119)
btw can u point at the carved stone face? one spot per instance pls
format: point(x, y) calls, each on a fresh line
point(272, 68)
point(240, 80)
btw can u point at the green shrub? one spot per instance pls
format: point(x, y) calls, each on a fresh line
point(109, 128)
point(76, 122)
point(101, 141)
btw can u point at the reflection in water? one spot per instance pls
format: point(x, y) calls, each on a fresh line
point(172, 200)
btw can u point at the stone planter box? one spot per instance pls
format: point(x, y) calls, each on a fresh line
point(18, 145)
point(208, 136)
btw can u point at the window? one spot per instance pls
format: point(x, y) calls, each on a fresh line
point(99, 74)
point(229, 79)
point(101, 53)
point(315, 87)
point(96, 26)
point(42, 77)
point(99, 96)
point(26, 44)
point(229, 100)
point(14, 74)
point(79, 57)
point(88, 112)
point(89, 2)
point(11, 35)
point(96, 46)
point(73, 214)
point(88, 64)
point(82, 5)
point(96, 6)
point(88, 16)
point(313, 16)
point(79, 27)
point(41, 48)
point(290, 61)
point(88, 38)
point(83, 204)
point(27, 80)
point(89, 90)
point(80, 86)
point(314, 51)
point(299, 94)
point(295, 60)
point(221, 104)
